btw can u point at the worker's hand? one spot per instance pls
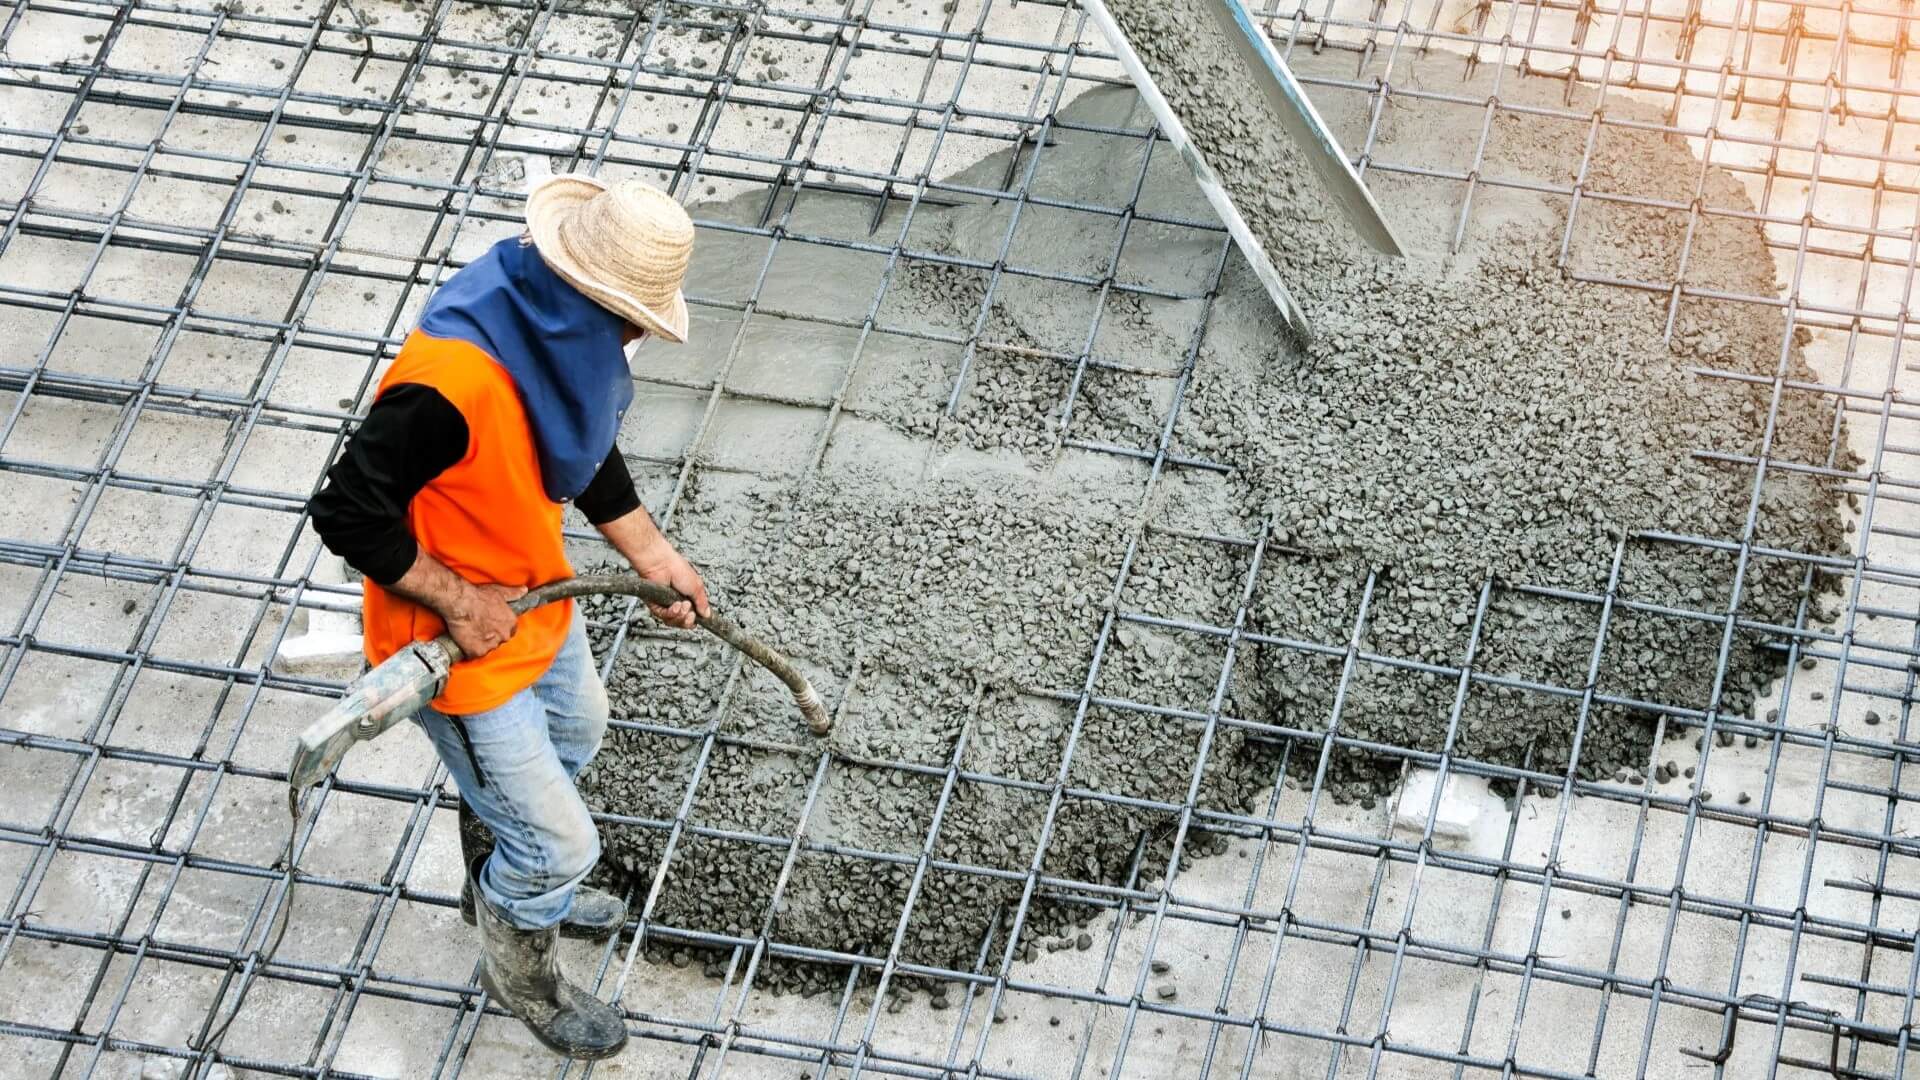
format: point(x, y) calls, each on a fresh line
point(480, 620)
point(661, 563)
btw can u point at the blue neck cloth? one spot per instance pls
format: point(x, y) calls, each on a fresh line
point(562, 349)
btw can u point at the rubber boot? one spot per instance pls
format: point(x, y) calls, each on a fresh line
point(595, 916)
point(521, 971)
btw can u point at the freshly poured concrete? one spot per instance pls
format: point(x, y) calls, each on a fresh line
point(1454, 419)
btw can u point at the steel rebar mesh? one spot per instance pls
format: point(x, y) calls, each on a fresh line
point(219, 220)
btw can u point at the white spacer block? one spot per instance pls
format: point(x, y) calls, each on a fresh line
point(331, 643)
point(1453, 818)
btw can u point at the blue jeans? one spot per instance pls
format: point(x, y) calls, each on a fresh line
point(528, 751)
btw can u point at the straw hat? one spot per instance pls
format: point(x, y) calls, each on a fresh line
point(624, 245)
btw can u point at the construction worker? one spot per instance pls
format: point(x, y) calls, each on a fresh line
point(500, 408)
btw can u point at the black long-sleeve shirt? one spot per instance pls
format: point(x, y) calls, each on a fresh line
point(411, 435)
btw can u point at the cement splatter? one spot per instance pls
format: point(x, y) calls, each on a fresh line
point(1457, 420)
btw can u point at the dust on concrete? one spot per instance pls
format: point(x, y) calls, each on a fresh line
point(1456, 420)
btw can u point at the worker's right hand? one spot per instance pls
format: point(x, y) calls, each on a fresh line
point(481, 621)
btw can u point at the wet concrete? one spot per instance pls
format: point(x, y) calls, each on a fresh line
point(1457, 418)
point(1483, 416)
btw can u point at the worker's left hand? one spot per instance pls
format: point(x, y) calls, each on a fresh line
point(668, 567)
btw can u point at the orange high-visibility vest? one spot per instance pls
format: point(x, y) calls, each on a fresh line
point(487, 518)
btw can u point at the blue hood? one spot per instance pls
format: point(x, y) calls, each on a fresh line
point(562, 349)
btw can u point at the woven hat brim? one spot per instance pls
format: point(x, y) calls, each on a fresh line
point(549, 205)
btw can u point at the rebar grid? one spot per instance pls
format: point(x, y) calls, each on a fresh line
point(319, 359)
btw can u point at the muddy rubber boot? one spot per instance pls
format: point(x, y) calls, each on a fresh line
point(595, 916)
point(521, 970)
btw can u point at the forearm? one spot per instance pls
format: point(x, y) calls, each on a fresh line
point(638, 540)
point(477, 616)
point(635, 536)
point(428, 582)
